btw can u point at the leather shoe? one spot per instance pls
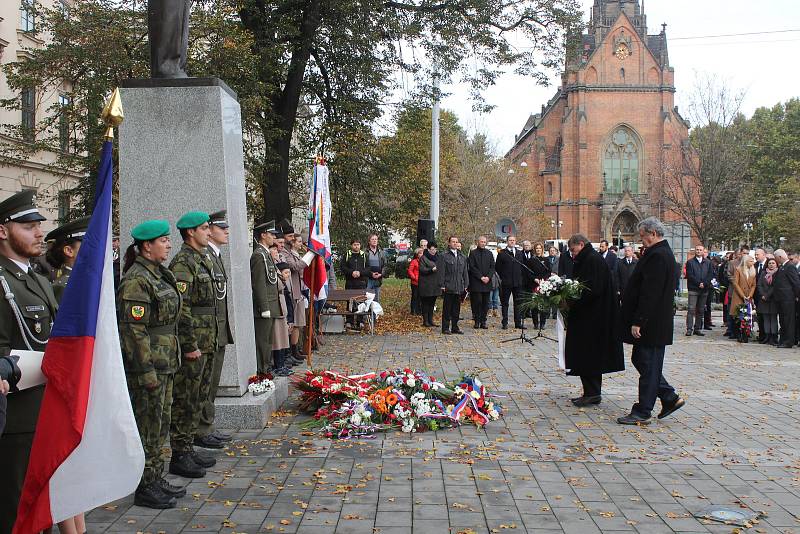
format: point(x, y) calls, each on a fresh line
point(580, 402)
point(446, 332)
point(283, 371)
point(208, 442)
point(484, 327)
point(457, 331)
point(785, 346)
point(698, 333)
point(203, 460)
point(504, 327)
point(708, 328)
point(171, 490)
point(674, 407)
point(182, 465)
point(763, 340)
point(633, 419)
point(152, 496)
point(222, 436)
point(688, 334)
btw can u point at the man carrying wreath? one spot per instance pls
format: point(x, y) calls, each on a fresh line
point(594, 343)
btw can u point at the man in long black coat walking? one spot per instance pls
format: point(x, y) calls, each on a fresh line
point(593, 344)
point(647, 321)
point(481, 271)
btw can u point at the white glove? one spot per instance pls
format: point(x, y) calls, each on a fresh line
point(265, 315)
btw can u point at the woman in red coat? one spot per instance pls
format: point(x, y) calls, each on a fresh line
point(413, 274)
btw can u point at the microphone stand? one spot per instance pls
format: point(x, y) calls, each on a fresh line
point(522, 337)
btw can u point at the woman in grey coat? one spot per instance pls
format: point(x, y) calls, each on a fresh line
point(430, 285)
point(766, 305)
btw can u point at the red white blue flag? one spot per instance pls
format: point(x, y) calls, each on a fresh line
point(319, 237)
point(86, 451)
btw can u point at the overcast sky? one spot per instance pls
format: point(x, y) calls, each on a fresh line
point(763, 65)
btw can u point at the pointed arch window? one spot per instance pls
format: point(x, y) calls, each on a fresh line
point(621, 162)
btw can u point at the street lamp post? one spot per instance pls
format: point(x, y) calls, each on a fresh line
point(557, 225)
point(748, 227)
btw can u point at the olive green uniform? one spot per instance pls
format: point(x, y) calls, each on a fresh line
point(148, 307)
point(197, 330)
point(37, 306)
point(264, 280)
point(60, 283)
point(213, 368)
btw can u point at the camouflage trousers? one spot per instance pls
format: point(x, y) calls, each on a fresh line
point(152, 411)
point(208, 392)
point(186, 403)
point(264, 329)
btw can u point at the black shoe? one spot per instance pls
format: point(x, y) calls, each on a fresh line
point(182, 465)
point(171, 490)
point(222, 436)
point(504, 327)
point(698, 333)
point(674, 407)
point(707, 328)
point(476, 325)
point(446, 332)
point(152, 496)
point(283, 371)
point(763, 340)
point(484, 327)
point(633, 419)
point(519, 327)
point(457, 331)
point(580, 402)
point(208, 442)
point(203, 460)
point(785, 346)
point(689, 334)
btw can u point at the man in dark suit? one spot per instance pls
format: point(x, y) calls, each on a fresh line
point(610, 256)
point(785, 292)
point(761, 262)
point(481, 271)
point(454, 278)
point(698, 280)
point(625, 268)
point(509, 268)
point(647, 322)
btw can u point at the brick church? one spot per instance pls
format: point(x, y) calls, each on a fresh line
point(599, 145)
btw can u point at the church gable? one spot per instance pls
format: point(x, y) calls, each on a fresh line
point(622, 58)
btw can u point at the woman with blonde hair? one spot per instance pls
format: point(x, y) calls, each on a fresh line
point(743, 285)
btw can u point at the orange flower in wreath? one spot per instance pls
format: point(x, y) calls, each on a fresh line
point(392, 399)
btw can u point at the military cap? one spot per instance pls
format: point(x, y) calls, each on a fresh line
point(218, 218)
point(278, 234)
point(20, 208)
point(286, 227)
point(72, 230)
point(150, 230)
point(268, 226)
point(192, 219)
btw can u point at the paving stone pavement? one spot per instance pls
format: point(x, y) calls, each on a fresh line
point(546, 466)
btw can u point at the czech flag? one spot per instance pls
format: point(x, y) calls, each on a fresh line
point(86, 451)
point(319, 237)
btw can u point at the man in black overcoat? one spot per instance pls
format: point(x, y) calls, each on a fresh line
point(647, 322)
point(785, 292)
point(481, 271)
point(593, 344)
point(625, 268)
point(509, 267)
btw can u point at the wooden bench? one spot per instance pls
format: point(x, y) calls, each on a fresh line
point(352, 297)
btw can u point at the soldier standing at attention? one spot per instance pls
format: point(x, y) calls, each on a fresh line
point(148, 306)
point(26, 316)
point(66, 241)
point(266, 306)
point(206, 435)
point(197, 334)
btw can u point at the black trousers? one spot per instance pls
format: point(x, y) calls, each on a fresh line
point(451, 309)
point(786, 316)
point(761, 329)
point(416, 303)
point(427, 310)
point(505, 294)
point(649, 361)
point(592, 385)
point(479, 301)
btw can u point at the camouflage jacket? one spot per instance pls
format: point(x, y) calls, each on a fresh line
point(148, 306)
point(197, 326)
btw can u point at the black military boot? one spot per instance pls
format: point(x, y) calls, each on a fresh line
point(152, 496)
point(183, 465)
point(171, 490)
point(203, 460)
point(208, 442)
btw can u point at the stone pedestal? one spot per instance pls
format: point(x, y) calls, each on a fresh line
point(180, 150)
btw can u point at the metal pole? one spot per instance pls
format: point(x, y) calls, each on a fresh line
point(435, 156)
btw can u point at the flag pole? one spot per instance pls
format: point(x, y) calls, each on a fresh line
point(310, 336)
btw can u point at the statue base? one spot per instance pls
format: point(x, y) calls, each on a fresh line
point(180, 149)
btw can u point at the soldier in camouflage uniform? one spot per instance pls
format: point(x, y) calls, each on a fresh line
point(26, 316)
point(206, 435)
point(197, 333)
point(266, 303)
point(65, 242)
point(148, 306)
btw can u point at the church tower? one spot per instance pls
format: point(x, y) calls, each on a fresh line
point(599, 145)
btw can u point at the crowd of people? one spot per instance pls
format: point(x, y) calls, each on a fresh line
point(173, 327)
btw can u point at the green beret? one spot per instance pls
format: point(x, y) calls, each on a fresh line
point(150, 230)
point(193, 219)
